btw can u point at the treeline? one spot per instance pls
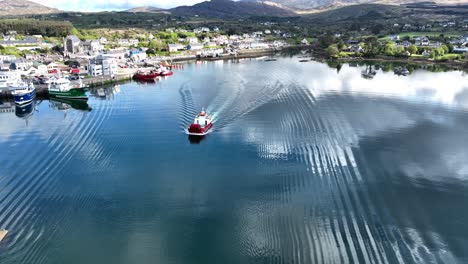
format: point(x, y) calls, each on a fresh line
point(36, 27)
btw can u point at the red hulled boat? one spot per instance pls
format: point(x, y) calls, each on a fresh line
point(201, 125)
point(166, 73)
point(146, 76)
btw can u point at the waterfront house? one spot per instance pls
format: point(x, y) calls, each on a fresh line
point(52, 67)
point(103, 40)
point(21, 65)
point(95, 69)
point(38, 69)
point(174, 47)
point(195, 46)
point(305, 42)
point(137, 55)
point(102, 65)
point(259, 45)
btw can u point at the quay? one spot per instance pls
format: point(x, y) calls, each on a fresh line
point(42, 91)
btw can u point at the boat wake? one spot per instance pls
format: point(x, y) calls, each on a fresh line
point(228, 99)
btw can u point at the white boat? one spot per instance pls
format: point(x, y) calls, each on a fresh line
point(9, 79)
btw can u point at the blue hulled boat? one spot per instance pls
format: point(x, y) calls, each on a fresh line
point(24, 93)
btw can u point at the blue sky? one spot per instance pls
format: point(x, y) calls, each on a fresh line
point(99, 5)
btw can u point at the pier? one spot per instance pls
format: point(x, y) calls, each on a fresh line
point(41, 89)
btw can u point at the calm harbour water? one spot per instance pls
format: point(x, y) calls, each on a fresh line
point(305, 165)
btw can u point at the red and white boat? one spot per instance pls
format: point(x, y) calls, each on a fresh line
point(201, 125)
point(166, 73)
point(146, 76)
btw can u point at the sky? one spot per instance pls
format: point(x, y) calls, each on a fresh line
point(100, 5)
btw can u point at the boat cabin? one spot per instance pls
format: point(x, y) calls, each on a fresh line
point(202, 119)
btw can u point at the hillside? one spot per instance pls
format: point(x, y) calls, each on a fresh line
point(317, 5)
point(372, 14)
point(230, 9)
point(24, 7)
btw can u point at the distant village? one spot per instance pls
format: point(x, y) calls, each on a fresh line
point(102, 56)
point(95, 57)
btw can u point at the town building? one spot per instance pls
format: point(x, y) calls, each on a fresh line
point(195, 46)
point(175, 47)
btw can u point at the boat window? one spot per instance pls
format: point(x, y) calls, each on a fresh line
point(206, 122)
point(198, 121)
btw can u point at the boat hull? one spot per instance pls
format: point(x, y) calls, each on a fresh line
point(24, 98)
point(166, 73)
point(146, 77)
point(74, 93)
point(197, 130)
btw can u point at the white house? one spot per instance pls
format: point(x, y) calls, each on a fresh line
point(95, 69)
point(103, 40)
point(133, 42)
point(259, 45)
point(102, 65)
point(192, 40)
point(21, 65)
point(195, 46)
point(92, 45)
point(174, 47)
point(123, 42)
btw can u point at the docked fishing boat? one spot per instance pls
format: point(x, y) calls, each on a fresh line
point(24, 93)
point(201, 125)
point(9, 79)
point(166, 72)
point(146, 76)
point(61, 88)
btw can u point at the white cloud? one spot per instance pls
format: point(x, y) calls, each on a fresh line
point(99, 5)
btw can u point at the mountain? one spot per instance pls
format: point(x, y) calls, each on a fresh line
point(231, 9)
point(146, 9)
point(24, 7)
point(302, 5)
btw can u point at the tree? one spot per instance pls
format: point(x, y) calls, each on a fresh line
point(445, 48)
point(389, 49)
point(332, 50)
point(433, 54)
point(413, 49)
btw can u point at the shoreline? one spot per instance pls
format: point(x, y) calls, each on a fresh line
point(99, 81)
